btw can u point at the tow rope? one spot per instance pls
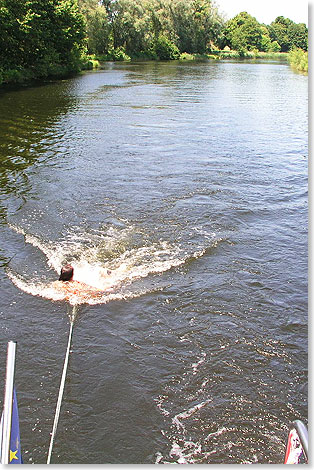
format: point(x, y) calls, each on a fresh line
point(61, 389)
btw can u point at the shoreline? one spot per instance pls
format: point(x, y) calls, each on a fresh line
point(16, 79)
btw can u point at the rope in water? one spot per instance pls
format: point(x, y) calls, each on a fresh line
point(64, 373)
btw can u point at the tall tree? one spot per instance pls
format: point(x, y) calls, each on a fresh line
point(298, 35)
point(243, 32)
point(197, 24)
point(278, 31)
point(289, 34)
point(131, 25)
point(191, 25)
point(98, 27)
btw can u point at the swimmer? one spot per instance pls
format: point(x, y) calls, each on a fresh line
point(67, 273)
point(70, 286)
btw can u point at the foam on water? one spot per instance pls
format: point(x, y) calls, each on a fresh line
point(93, 254)
point(187, 413)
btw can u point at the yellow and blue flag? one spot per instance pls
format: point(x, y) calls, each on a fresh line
point(15, 454)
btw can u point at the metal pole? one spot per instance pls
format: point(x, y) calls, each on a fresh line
point(8, 400)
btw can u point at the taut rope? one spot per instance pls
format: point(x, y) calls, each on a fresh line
point(64, 373)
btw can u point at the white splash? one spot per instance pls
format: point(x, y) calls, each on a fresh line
point(217, 433)
point(187, 453)
point(196, 365)
point(104, 260)
point(186, 414)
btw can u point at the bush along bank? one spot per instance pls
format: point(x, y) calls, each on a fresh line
point(24, 76)
point(298, 59)
point(20, 75)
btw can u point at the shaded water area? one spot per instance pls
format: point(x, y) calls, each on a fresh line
point(188, 182)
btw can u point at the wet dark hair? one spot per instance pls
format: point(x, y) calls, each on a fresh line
point(66, 273)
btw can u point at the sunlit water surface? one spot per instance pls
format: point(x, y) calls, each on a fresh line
point(189, 183)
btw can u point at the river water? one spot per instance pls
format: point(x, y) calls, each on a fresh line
point(188, 182)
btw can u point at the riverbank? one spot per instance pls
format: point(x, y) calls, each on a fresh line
point(221, 55)
point(213, 55)
point(24, 77)
point(20, 76)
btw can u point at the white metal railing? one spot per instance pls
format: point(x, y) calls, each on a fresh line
point(8, 402)
point(297, 443)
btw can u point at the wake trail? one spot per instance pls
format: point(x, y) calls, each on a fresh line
point(107, 261)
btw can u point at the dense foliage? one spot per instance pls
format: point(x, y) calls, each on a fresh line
point(244, 33)
point(288, 34)
point(164, 28)
point(41, 38)
point(298, 59)
point(152, 28)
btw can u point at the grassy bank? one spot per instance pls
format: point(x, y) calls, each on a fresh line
point(220, 55)
point(120, 55)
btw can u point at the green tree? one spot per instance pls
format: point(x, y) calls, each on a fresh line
point(165, 49)
point(298, 59)
point(44, 37)
point(298, 36)
point(136, 25)
point(197, 25)
point(243, 33)
point(131, 26)
point(278, 31)
point(267, 45)
point(289, 34)
point(68, 32)
point(98, 28)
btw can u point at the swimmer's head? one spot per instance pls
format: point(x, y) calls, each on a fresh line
point(66, 273)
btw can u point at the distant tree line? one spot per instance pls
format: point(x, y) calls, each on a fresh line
point(244, 33)
point(41, 38)
point(166, 28)
point(151, 28)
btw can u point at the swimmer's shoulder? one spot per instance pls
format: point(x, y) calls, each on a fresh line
point(78, 288)
point(62, 285)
